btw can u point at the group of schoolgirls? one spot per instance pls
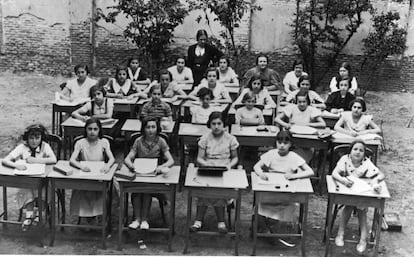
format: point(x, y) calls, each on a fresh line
point(218, 147)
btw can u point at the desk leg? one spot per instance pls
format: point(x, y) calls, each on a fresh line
point(187, 223)
point(53, 214)
point(322, 174)
point(328, 228)
point(5, 207)
point(109, 223)
point(182, 165)
point(326, 221)
point(53, 119)
point(172, 218)
point(378, 227)
point(121, 215)
point(255, 221)
point(237, 223)
point(40, 207)
point(104, 214)
point(304, 232)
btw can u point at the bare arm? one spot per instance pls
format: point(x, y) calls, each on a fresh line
point(317, 123)
point(339, 127)
point(279, 120)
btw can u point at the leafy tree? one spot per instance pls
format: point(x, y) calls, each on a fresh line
point(151, 26)
point(322, 29)
point(228, 13)
point(386, 39)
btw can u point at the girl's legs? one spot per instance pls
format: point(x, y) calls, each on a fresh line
point(136, 200)
point(145, 209)
point(362, 218)
point(200, 212)
point(346, 214)
point(220, 218)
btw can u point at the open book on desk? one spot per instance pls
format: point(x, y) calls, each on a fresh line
point(32, 169)
point(275, 179)
point(145, 167)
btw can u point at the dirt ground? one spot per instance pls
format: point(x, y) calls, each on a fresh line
point(26, 99)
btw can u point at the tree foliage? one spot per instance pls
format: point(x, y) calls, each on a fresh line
point(151, 24)
point(322, 29)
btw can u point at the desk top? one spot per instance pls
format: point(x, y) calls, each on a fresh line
point(95, 174)
point(329, 115)
point(6, 171)
point(125, 100)
point(339, 138)
point(188, 129)
point(235, 179)
point(67, 103)
point(275, 92)
point(164, 99)
point(172, 177)
point(72, 122)
point(266, 112)
point(295, 186)
point(220, 106)
point(343, 190)
point(233, 90)
point(134, 125)
point(238, 130)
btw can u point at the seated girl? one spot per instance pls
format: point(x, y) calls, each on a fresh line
point(270, 78)
point(121, 86)
point(281, 160)
point(93, 147)
point(136, 74)
point(290, 82)
point(260, 94)
point(181, 74)
point(354, 122)
point(157, 108)
point(227, 75)
point(200, 113)
point(149, 145)
point(344, 73)
point(300, 113)
point(34, 149)
point(78, 89)
point(169, 88)
point(305, 84)
point(217, 148)
point(248, 114)
point(100, 107)
point(219, 90)
point(339, 101)
point(356, 164)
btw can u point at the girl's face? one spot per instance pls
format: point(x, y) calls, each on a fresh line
point(343, 73)
point(81, 74)
point(33, 140)
point(217, 126)
point(305, 84)
point(180, 64)
point(205, 101)
point(211, 77)
point(202, 40)
point(92, 131)
point(134, 64)
point(122, 76)
point(151, 129)
point(343, 86)
point(357, 152)
point(223, 65)
point(356, 109)
point(249, 103)
point(156, 95)
point(256, 85)
point(283, 147)
point(302, 103)
point(98, 97)
point(165, 80)
point(298, 70)
point(262, 62)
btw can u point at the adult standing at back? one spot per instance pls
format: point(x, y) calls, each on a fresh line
point(271, 79)
point(201, 55)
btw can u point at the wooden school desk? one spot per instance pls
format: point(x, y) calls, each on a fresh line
point(175, 105)
point(298, 191)
point(249, 136)
point(79, 180)
point(233, 92)
point(60, 107)
point(347, 196)
point(228, 186)
point(35, 182)
point(126, 105)
point(221, 107)
point(330, 119)
point(74, 127)
point(134, 125)
point(268, 115)
point(160, 184)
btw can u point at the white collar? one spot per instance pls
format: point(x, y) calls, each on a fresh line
point(124, 88)
point(135, 75)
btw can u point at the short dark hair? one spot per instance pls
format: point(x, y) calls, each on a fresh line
point(360, 101)
point(119, 68)
point(34, 129)
point(133, 58)
point(154, 87)
point(181, 57)
point(209, 69)
point(247, 96)
point(304, 93)
point(83, 66)
point(261, 55)
point(302, 78)
point(165, 72)
point(285, 135)
point(205, 91)
point(145, 122)
point(297, 62)
point(227, 60)
point(200, 33)
point(96, 88)
point(216, 115)
point(91, 121)
point(255, 76)
point(357, 141)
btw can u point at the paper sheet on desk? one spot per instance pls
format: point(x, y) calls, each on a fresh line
point(275, 179)
point(190, 129)
point(339, 135)
point(303, 130)
point(249, 130)
point(359, 185)
point(95, 168)
point(32, 168)
point(145, 166)
point(73, 103)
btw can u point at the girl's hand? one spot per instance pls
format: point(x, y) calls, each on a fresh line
point(347, 182)
point(31, 159)
point(174, 98)
point(288, 126)
point(353, 133)
point(104, 169)
point(85, 118)
point(21, 167)
point(130, 97)
point(85, 169)
point(158, 170)
point(289, 176)
point(264, 176)
point(377, 188)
